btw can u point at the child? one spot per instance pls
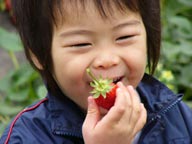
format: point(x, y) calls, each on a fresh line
point(116, 39)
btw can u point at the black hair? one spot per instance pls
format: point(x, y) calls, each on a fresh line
point(35, 20)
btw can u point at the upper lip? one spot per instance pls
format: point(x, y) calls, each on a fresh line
point(114, 79)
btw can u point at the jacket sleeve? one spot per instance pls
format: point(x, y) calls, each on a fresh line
point(187, 116)
point(23, 135)
point(26, 132)
point(19, 133)
point(9, 137)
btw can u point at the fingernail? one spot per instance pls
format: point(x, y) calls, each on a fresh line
point(119, 84)
point(118, 90)
point(90, 101)
point(130, 87)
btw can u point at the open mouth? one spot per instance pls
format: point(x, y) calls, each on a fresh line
point(116, 80)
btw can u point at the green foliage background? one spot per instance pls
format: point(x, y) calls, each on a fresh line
point(177, 44)
point(22, 85)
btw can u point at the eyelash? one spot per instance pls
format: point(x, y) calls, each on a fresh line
point(122, 38)
point(125, 37)
point(81, 45)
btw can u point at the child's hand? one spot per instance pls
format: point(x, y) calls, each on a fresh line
point(120, 124)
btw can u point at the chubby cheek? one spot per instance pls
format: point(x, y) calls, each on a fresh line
point(69, 75)
point(76, 91)
point(136, 65)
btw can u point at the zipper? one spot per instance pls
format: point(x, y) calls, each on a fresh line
point(171, 106)
point(154, 119)
point(70, 134)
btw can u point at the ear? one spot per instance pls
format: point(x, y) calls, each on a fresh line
point(36, 61)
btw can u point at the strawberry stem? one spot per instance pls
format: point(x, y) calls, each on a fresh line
point(92, 76)
point(100, 86)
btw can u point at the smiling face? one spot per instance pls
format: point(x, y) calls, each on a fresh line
point(112, 47)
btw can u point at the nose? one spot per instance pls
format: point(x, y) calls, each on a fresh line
point(105, 60)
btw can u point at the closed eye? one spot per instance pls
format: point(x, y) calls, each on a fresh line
point(81, 45)
point(125, 37)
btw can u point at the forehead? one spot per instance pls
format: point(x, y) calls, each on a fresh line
point(77, 9)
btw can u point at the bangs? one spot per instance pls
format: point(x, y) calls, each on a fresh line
point(106, 8)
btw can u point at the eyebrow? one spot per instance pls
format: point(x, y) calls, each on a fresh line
point(75, 32)
point(129, 23)
point(87, 32)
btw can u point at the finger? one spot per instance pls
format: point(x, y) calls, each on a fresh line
point(126, 93)
point(142, 119)
point(93, 114)
point(136, 108)
point(122, 95)
point(120, 111)
point(116, 112)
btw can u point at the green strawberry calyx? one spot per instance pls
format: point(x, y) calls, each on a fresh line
point(100, 86)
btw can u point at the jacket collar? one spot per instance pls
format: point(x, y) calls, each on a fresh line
point(158, 100)
point(154, 94)
point(66, 117)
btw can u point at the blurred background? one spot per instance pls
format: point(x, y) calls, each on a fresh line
point(20, 85)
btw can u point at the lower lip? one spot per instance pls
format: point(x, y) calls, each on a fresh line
point(120, 80)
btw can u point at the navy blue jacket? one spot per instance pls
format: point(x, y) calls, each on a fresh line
point(55, 120)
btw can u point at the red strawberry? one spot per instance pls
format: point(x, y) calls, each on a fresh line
point(104, 91)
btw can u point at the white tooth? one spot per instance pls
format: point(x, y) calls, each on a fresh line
point(116, 79)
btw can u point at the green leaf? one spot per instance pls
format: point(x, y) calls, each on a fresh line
point(187, 3)
point(181, 23)
point(4, 120)
point(186, 48)
point(9, 110)
point(189, 103)
point(170, 50)
point(2, 5)
point(23, 76)
point(19, 96)
point(10, 41)
point(186, 76)
point(41, 91)
point(5, 82)
point(171, 8)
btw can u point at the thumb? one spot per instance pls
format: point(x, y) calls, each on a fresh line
point(93, 114)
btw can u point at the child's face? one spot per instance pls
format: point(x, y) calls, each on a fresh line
point(114, 47)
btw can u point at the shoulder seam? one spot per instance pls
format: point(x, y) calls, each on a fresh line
point(19, 114)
